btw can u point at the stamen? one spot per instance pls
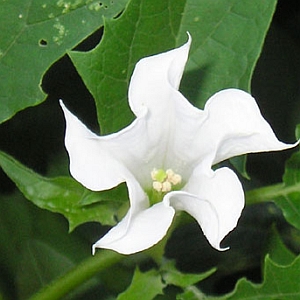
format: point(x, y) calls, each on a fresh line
point(157, 185)
point(166, 187)
point(172, 177)
point(163, 181)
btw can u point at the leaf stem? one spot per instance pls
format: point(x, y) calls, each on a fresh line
point(75, 277)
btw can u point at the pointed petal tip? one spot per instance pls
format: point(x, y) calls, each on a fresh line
point(107, 247)
point(63, 107)
point(217, 247)
point(187, 44)
point(216, 244)
point(295, 144)
point(189, 38)
point(61, 103)
point(237, 123)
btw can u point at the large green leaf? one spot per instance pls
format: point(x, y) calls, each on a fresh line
point(227, 40)
point(144, 28)
point(33, 35)
point(64, 195)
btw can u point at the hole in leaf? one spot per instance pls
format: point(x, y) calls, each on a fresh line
point(118, 15)
point(91, 41)
point(43, 43)
point(101, 4)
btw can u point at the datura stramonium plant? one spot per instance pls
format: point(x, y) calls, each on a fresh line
point(166, 155)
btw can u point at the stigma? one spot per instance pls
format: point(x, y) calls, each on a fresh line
point(163, 181)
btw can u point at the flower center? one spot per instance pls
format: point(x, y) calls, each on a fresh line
point(163, 181)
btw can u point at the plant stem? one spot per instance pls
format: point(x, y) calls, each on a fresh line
point(75, 277)
point(268, 193)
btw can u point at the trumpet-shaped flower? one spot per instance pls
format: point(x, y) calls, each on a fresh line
point(166, 155)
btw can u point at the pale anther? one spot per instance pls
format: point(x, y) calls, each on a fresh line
point(166, 187)
point(157, 186)
point(173, 177)
point(153, 174)
point(163, 181)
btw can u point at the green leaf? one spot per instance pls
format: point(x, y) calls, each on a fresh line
point(64, 195)
point(34, 35)
point(35, 246)
point(149, 284)
point(227, 40)
point(280, 282)
point(281, 266)
point(288, 193)
point(277, 250)
point(39, 271)
point(172, 276)
point(144, 28)
point(43, 264)
point(15, 220)
point(239, 162)
point(143, 286)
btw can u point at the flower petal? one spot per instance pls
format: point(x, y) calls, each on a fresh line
point(235, 126)
point(155, 78)
point(102, 162)
point(172, 119)
point(90, 164)
point(144, 230)
point(96, 162)
point(215, 200)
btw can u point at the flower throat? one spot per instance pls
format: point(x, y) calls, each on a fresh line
point(163, 182)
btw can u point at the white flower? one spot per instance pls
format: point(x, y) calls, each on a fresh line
point(166, 155)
